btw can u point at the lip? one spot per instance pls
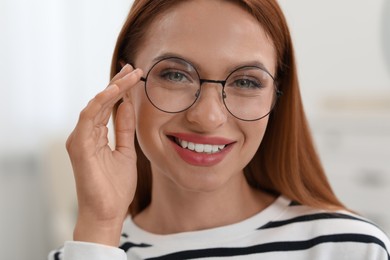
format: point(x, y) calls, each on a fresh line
point(201, 159)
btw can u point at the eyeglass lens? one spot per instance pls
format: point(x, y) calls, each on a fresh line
point(173, 85)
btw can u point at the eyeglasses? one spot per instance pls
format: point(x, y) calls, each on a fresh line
point(173, 85)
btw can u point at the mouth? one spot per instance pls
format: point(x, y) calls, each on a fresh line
point(199, 147)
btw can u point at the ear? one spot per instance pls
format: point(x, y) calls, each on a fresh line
point(122, 63)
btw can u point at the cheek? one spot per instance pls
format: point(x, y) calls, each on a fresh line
point(254, 134)
point(145, 121)
point(144, 111)
point(147, 135)
point(142, 115)
point(149, 124)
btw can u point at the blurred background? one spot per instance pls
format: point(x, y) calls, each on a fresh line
point(55, 56)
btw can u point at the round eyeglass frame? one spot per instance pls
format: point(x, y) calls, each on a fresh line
point(278, 93)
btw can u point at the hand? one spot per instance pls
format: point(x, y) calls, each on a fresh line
point(106, 179)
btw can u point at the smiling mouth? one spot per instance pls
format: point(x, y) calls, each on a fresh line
point(199, 148)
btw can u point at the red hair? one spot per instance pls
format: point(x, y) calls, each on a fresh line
point(286, 161)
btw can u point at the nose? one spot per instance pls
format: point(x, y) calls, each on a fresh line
point(208, 113)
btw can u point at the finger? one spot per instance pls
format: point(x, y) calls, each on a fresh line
point(102, 137)
point(127, 68)
point(130, 78)
point(105, 100)
point(125, 129)
point(124, 84)
point(98, 110)
point(69, 141)
point(96, 106)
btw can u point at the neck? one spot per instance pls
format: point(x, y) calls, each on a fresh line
point(174, 209)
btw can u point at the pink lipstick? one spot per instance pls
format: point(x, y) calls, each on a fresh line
point(201, 150)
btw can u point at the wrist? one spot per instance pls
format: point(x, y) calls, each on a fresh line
point(100, 232)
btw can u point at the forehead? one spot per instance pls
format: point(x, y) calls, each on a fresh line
point(213, 34)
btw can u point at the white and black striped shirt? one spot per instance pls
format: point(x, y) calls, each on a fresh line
point(284, 230)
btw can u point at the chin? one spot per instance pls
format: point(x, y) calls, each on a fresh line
point(202, 182)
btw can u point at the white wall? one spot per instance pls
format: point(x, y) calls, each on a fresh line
point(340, 48)
point(343, 51)
point(55, 55)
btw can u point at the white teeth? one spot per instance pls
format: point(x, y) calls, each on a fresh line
point(208, 148)
point(184, 144)
point(200, 148)
point(191, 146)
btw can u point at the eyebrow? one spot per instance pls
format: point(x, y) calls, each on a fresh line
point(253, 63)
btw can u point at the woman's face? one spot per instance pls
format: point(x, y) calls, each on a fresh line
point(217, 37)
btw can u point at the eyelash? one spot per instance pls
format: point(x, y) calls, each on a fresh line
point(256, 84)
point(166, 74)
point(170, 74)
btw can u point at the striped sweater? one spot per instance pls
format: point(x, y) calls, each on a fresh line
point(284, 230)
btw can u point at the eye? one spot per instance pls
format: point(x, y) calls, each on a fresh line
point(247, 84)
point(174, 76)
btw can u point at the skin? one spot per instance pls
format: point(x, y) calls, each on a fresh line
point(105, 179)
point(199, 197)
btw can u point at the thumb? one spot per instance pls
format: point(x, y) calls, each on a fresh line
point(125, 128)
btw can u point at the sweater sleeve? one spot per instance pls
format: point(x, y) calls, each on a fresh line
point(74, 250)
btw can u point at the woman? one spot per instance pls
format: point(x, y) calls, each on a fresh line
point(213, 155)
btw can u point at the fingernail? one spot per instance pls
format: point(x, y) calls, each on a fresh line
point(110, 87)
point(138, 71)
point(125, 67)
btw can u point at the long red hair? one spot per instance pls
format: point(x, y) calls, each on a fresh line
point(286, 161)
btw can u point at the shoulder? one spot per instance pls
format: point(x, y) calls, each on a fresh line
point(341, 231)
